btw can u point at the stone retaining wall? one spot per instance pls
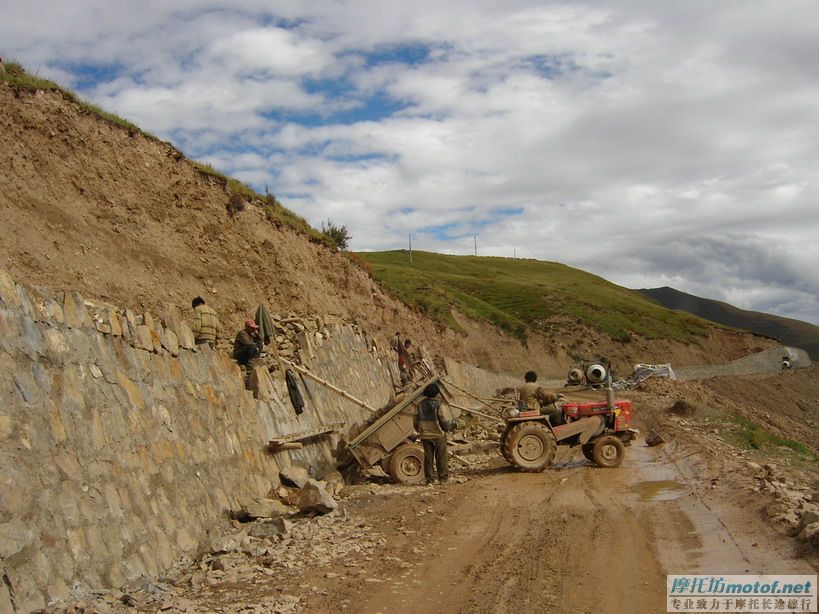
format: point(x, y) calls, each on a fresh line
point(767, 361)
point(124, 447)
point(478, 382)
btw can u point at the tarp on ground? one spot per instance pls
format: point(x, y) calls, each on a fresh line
point(643, 372)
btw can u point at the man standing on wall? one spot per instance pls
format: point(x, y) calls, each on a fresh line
point(205, 323)
point(432, 426)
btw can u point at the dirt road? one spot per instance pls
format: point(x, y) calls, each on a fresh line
point(573, 539)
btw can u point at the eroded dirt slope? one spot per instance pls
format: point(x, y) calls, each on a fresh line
point(124, 218)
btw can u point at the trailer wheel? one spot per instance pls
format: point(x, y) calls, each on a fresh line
point(407, 464)
point(608, 452)
point(530, 446)
point(588, 451)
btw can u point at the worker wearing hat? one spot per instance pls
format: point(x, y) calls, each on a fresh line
point(247, 345)
point(432, 426)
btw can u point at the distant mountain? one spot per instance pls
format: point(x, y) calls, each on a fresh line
point(790, 332)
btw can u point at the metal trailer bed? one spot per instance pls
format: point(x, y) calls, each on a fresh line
point(387, 441)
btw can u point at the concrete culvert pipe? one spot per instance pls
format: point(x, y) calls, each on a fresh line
point(575, 376)
point(595, 374)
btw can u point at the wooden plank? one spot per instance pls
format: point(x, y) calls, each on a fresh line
point(327, 384)
point(330, 428)
point(290, 445)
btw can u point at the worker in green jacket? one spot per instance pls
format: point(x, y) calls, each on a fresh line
point(205, 323)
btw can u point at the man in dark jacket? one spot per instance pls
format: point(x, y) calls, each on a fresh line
point(248, 345)
point(432, 427)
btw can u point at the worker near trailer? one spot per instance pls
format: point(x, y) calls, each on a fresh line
point(432, 425)
point(405, 368)
point(205, 323)
point(536, 397)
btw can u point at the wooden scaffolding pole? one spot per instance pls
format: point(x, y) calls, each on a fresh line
point(327, 384)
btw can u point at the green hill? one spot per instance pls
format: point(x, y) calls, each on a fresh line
point(520, 295)
point(789, 331)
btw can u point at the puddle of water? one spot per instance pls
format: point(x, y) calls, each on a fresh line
point(659, 490)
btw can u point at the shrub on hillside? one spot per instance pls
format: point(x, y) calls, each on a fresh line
point(235, 204)
point(338, 236)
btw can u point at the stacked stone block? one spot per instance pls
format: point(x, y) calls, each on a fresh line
point(125, 446)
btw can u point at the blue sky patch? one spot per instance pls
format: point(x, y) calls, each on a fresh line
point(551, 66)
point(89, 76)
point(372, 108)
point(441, 232)
point(409, 54)
point(507, 211)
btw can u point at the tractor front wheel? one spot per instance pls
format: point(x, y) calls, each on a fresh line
point(608, 452)
point(407, 464)
point(529, 446)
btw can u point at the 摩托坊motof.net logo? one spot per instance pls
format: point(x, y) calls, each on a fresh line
point(742, 593)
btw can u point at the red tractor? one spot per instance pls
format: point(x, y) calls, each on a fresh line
point(602, 429)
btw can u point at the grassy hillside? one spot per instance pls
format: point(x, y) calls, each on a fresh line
point(519, 295)
point(790, 332)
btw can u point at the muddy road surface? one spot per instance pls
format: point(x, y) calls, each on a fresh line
point(574, 539)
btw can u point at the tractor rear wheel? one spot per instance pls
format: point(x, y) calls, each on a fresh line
point(608, 452)
point(502, 444)
point(588, 451)
point(407, 464)
point(529, 446)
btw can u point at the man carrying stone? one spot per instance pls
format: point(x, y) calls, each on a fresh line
point(205, 323)
point(406, 363)
point(536, 397)
point(431, 424)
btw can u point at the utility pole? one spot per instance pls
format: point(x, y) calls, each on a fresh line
point(514, 253)
point(476, 245)
point(409, 236)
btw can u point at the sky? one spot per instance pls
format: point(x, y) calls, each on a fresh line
point(651, 143)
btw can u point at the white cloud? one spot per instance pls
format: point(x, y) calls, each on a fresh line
point(276, 51)
point(651, 143)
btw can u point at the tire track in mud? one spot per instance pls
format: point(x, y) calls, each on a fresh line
point(518, 574)
point(615, 568)
point(575, 539)
point(559, 541)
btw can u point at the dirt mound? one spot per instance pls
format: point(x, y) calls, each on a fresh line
point(87, 205)
point(683, 408)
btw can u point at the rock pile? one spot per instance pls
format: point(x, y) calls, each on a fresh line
point(270, 538)
point(246, 570)
point(298, 494)
point(297, 335)
point(794, 506)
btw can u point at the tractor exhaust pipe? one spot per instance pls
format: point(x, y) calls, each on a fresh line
point(609, 391)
